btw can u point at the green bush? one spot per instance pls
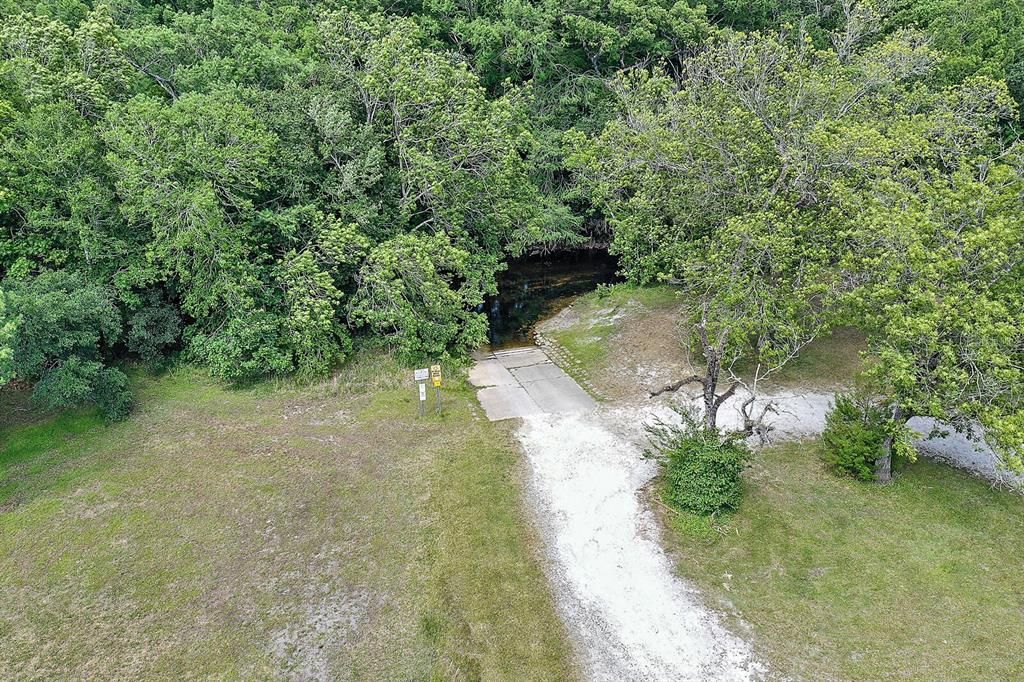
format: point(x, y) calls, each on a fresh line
point(702, 468)
point(66, 327)
point(854, 436)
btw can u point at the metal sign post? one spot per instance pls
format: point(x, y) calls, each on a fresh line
point(435, 375)
point(421, 375)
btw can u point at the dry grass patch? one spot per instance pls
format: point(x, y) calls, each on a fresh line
point(626, 337)
point(629, 341)
point(279, 531)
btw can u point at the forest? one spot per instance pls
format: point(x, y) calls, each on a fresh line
point(258, 187)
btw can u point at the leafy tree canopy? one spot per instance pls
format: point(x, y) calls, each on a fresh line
point(259, 184)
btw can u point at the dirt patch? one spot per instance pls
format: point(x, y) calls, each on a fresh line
point(626, 346)
point(331, 619)
point(645, 354)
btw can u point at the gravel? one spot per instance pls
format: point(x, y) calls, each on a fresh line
point(801, 414)
point(630, 617)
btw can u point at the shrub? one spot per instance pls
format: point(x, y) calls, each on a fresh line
point(153, 326)
point(854, 436)
point(421, 293)
point(66, 328)
point(246, 348)
point(703, 469)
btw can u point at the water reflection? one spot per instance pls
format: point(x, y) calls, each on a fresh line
point(536, 287)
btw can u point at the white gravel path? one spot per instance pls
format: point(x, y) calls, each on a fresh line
point(629, 615)
point(801, 414)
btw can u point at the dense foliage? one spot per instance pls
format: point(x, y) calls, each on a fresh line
point(858, 434)
point(788, 187)
point(258, 184)
point(67, 327)
point(702, 468)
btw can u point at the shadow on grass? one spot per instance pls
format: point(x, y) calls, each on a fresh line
point(41, 455)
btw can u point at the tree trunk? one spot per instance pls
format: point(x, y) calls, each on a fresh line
point(710, 386)
point(883, 465)
point(708, 380)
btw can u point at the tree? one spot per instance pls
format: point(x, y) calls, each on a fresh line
point(940, 291)
point(59, 208)
point(189, 175)
point(422, 293)
point(720, 182)
point(83, 66)
point(982, 38)
point(154, 325)
point(759, 289)
point(461, 158)
point(63, 341)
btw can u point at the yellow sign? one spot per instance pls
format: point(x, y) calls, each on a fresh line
point(435, 374)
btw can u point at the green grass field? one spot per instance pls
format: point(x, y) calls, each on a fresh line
point(279, 531)
point(920, 580)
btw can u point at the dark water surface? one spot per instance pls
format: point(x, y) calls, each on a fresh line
point(536, 287)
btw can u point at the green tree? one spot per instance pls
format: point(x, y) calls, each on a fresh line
point(941, 294)
point(188, 174)
point(421, 293)
point(63, 343)
point(982, 38)
point(721, 184)
point(84, 66)
point(460, 157)
point(58, 207)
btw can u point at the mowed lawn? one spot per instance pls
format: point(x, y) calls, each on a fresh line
point(279, 531)
point(920, 580)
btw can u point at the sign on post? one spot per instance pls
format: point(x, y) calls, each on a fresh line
point(435, 376)
point(421, 375)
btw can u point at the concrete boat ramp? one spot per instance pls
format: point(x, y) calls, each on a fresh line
point(521, 382)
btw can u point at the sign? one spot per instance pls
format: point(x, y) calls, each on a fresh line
point(435, 374)
point(423, 392)
point(421, 374)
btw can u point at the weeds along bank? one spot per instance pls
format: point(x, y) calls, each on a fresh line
point(277, 531)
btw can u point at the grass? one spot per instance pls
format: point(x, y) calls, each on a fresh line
point(597, 311)
point(628, 339)
point(620, 333)
point(824, 363)
point(837, 580)
point(278, 531)
point(842, 580)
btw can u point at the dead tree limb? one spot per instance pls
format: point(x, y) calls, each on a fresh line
point(671, 388)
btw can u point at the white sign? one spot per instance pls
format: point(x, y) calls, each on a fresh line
point(421, 374)
point(423, 392)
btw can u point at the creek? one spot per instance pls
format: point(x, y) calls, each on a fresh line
point(536, 287)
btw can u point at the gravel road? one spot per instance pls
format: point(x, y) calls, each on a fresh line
point(630, 617)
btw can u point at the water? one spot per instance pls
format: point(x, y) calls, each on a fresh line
point(536, 287)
